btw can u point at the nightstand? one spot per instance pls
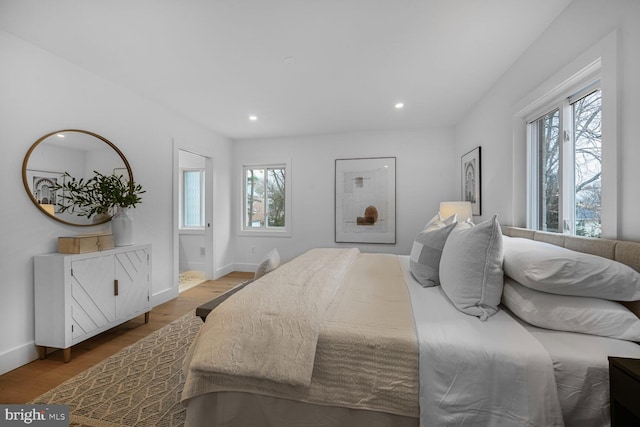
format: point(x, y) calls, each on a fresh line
point(624, 391)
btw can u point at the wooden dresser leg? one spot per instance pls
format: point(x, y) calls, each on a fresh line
point(67, 354)
point(146, 317)
point(42, 352)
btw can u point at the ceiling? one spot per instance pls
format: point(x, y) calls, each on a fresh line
point(300, 66)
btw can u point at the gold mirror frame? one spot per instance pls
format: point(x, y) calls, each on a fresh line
point(29, 191)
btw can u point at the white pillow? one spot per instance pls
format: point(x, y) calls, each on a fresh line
point(438, 221)
point(467, 223)
point(549, 268)
point(269, 262)
point(586, 315)
point(471, 268)
point(424, 261)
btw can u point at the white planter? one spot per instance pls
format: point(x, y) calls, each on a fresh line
point(99, 218)
point(122, 227)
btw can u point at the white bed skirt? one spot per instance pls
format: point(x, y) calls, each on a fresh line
point(232, 409)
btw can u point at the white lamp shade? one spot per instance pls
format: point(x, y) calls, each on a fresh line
point(462, 209)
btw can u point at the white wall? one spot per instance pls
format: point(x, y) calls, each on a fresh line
point(424, 168)
point(42, 93)
point(191, 251)
point(583, 25)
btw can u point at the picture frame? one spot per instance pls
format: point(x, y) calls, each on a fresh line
point(40, 182)
point(365, 200)
point(124, 172)
point(471, 168)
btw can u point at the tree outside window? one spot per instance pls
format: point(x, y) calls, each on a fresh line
point(569, 167)
point(587, 137)
point(265, 197)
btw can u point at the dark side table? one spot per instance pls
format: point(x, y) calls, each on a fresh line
point(624, 391)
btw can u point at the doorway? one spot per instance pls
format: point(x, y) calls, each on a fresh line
point(193, 234)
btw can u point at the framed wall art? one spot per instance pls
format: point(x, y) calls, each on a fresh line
point(471, 180)
point(41, 186)
point(123, 172)
point(365, 205)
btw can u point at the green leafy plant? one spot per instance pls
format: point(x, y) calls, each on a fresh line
point(100, 194)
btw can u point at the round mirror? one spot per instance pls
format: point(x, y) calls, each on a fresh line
point(61, 155)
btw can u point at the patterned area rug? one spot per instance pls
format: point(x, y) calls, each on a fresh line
point(138, 386)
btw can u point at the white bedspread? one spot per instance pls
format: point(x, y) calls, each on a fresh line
point(475, 373)
point(270, 329)
point(366, 356)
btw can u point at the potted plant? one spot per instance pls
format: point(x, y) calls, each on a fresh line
point(102, 195)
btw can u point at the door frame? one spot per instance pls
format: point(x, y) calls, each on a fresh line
point(208, 215)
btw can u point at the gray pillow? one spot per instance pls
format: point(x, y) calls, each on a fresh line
point(424, 261)
point(471, 268)
point(269, 262)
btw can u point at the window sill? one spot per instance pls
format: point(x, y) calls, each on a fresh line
point(265, 233)
point(190, 230)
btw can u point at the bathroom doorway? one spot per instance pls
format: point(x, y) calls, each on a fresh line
point(193, 232)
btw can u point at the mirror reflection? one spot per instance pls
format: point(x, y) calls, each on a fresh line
point(76, 152)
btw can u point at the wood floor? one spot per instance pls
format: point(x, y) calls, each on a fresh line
point(30, 381)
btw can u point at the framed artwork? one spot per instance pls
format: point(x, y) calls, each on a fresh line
point(40, 185)
point(365, 200)
point(124, 172)
point(471, 180)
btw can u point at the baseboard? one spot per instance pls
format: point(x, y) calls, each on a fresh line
point(163, 296)
point(245, 267)
point(18, 356)
point(196, 266)
point(223, 271)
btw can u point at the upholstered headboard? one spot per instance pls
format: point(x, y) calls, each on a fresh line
point(622, 251)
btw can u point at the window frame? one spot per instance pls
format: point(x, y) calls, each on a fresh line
point(533, 168)
point(566, 155)
point(285, 231)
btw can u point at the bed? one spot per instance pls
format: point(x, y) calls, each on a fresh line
point(337, 337)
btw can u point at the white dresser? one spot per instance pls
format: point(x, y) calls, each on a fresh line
point(78, 296)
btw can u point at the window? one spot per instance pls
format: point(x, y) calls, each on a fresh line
point(265, 198)
point(192, 198)
point(565, 145)
point(585, 92)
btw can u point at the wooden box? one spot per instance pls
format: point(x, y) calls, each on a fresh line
point(85, 243)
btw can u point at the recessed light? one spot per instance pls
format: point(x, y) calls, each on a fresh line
point(60, 135)
point(253, 118)
point(399, 105)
